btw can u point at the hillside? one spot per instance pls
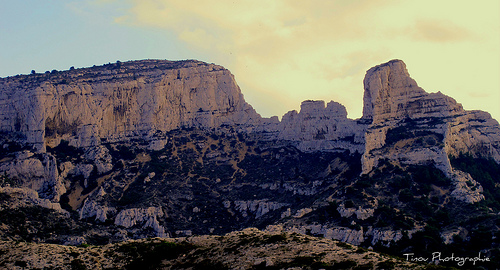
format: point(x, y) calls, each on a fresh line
point(156, 148)
point(247, 249)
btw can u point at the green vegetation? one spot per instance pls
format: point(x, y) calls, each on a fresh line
point(484, 170)
point(387, 265)
point(78, 264)
point(149, 255)
point(306, 262)
point(21, 263)
point(276, 238)
point(65, 152)
point(5, 180)
point(347, 264)
point(29, 223)
point(344, 245)
point(421, 195)
point(422, 137)
point(212, 170)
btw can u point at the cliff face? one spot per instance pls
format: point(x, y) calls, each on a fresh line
point(116, 101)
point(411, 126)
point(317, 127)
point(172, 149)
point(145, 99)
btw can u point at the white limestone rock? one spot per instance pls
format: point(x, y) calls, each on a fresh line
point(101, 158)
point(136, 99)
point(66, 168)
point(184, 233)
point(466, 189)
point(92, 208)
point(83, 169)
point(385, 237)
point(257, 207)
point(40, 174)
point(317, 127)
point(449, 235)
point(302, 212)
point(157, 144)
point(343, 234)
point(360, 213)
point(287, 213)
point(144, 217)
point(473, 132)
point(394, 102)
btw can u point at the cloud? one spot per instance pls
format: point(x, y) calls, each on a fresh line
point(440, 31)
point(285, 51)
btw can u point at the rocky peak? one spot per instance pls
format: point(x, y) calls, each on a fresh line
point(314, 108)
point(411, 126)
point(390, 93)
point(317, 127)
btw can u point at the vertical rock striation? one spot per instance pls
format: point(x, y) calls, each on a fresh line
point(410, 126)
point(116, 101)
point(317, 127)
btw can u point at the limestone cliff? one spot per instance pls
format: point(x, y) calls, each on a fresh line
point(317, 127)
point(116, 101)
point(411, 126)
point(157, 148)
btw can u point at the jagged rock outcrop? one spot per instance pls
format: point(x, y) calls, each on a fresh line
point(116, 101)
point(101, 158)
point(258, 207)
point(386, 237)
point(38, 173)
point(146, 98)
point(352, 236)
point(466, 189)
point(343, 234)
point(28, 197)
point(92, 208)
point(143, 217)
point(410, 126)
point(317, 127)
point(360, 213)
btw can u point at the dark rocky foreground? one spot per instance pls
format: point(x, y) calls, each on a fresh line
point(247, 249)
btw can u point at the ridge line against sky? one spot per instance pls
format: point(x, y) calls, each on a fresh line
point(281, 52)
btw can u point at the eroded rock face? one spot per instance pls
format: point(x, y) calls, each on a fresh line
point(317, 127)
point(391, 94)
point(91, 208)
point(116, 101)
point(200, 178)
point(147, 217)
point(410, 126)
point(259, 208)
point(360, 213)
point(29, 197)
point(37, 173)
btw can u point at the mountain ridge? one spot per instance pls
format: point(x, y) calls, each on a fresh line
point(158, 148)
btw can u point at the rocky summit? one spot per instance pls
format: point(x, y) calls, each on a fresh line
point(156, 148)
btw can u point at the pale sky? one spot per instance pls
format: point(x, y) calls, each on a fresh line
point(281, 52)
